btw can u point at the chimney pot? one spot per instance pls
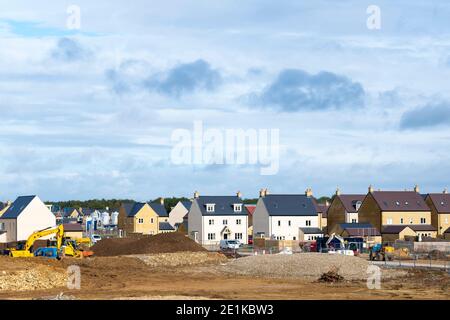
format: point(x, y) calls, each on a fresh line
point(239, 194)
point(445, 191)
point(338, 191)
point(370, 189)
point(161, 200)
point(416, 189)
point(196, 195)
point(309, 192)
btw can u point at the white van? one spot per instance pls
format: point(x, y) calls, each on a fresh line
point(229, 244)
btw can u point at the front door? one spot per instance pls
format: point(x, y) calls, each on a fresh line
point(225, 236)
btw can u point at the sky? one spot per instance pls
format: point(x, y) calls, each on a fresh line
point(89, 112)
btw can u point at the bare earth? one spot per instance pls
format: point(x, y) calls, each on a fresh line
point(176, 276)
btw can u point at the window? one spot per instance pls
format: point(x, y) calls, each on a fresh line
point(354, 221)
point(238, 236)
point(140, 220)
point(423, 220)
point(389, 221)
point(225, 222)
point(211, 236)
point(238, 221)
point(294, 238)
point(279, 223)
point(308, 223)
point(211, 222)
point(289, 223)
point(237, 207)
point(210, 207)
point(151, 220)
point(401, 220)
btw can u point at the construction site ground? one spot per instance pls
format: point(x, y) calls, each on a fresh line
point(203, 275)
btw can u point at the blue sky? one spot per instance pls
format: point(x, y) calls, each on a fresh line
point(89, 113)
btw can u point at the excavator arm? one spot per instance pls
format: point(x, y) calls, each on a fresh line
point(59, 234)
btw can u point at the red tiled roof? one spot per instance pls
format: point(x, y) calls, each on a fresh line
point(349, 201)
point(441, 201)
point(400, 201)
point(250, 208)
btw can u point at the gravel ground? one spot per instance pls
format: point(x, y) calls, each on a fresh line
point(34, 279)
point(304, 265)
point(181, 259)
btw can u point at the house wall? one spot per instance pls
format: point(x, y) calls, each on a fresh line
point(439, 220)
point(369, 212)
point(74, 234)
point(195, 222)
point(150, 223)
point(336, 213)
point(408, 217)
point(10, 226)
point(177, 213)
point(34, 217)
point(284, 231)
point(218, 226)
point(261, 220)
point(350, 216)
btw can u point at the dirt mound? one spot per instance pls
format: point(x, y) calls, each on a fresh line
point(160, 243)
point(176, 259)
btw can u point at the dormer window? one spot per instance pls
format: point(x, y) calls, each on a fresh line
point(210, 207)
point(358, 205)
point(237, 207)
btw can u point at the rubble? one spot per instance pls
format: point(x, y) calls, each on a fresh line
point(32, 279)
point(181, 259)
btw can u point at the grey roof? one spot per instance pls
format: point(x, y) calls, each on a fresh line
point(17, 207)
point(355, 225)
point(223, 205)
point(159, 208)
point(73, 227)
point(350, 200)
point(68, 211)
point(394, 229)
point(132, 208)
point(441, 201)
point(165, 226)
point(186, 204)
point(311, 230)
point(400, 201)
point(290, 205)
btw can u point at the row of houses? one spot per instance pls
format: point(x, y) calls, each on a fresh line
point(376, 216)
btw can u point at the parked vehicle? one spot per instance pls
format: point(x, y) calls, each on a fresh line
point(230, 244)
point(95, 238)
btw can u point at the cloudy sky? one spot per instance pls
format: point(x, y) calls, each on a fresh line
point(89, 113)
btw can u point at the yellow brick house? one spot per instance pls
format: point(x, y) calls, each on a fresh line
point(397, 214)
point(439, 204)
point(143, 218)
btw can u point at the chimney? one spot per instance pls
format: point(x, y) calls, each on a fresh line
point(338, 191)
point(261, 193)
point(266, 192)
point(196, 195)
point(309, 192)
point(327, 203)
point(370, 189)
point(239, 194)
point(416, 189)
point(445, 191)
point(161, 200)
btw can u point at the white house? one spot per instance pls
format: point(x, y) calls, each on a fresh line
point(25, 215)
point(215, 218)
point(178, 212)
point(286, 217)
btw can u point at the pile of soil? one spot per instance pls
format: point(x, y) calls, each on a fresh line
point(160, 243)
point(331, 276)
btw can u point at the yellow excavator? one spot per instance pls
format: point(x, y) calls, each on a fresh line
point(26, 251)
point(64, 247)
